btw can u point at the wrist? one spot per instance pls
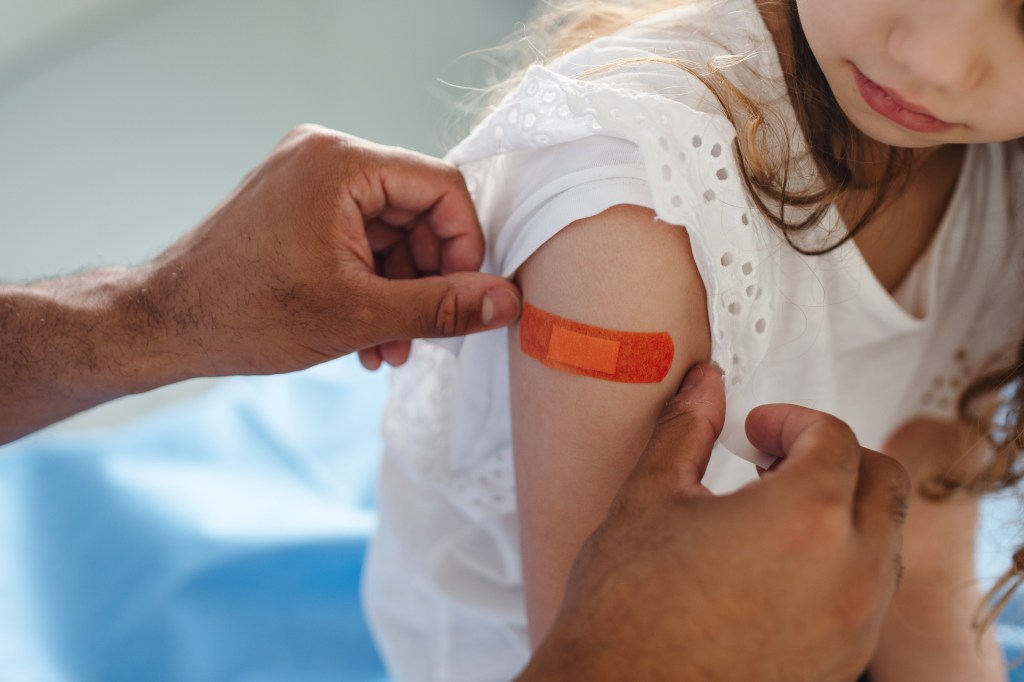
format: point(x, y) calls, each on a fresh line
point(125, 345)
point(154, 335)
point(69, 344)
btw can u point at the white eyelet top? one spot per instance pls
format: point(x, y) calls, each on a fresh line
point(443, 583)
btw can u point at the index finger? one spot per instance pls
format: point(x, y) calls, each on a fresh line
point(422, 184)
point(818, 449)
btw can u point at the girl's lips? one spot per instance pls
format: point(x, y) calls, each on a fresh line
point(896, 109)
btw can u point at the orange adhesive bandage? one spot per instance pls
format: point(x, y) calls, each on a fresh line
point(576, 348)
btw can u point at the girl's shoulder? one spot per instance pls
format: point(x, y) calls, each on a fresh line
point(622, 121)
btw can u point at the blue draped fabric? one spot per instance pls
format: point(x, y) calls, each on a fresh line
point(219, 540)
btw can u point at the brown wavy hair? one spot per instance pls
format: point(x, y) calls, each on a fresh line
point(994, 403)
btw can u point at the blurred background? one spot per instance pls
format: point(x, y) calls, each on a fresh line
point(123, 122)
point(213, 529)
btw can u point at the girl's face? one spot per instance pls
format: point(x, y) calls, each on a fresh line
point(920, 73)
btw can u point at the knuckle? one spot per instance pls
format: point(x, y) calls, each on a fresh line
point(300, 134)
point(897, 474)
point(453, 174)
point(896, 480)
point(304, 129)
point(836, 429)
point(899, 505)
point(450, 315)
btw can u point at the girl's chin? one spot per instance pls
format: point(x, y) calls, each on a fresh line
point(893, 135)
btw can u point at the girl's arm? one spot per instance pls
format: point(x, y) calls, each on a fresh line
point(576, 438)
point(927, 633)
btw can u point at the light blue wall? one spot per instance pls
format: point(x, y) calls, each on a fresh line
point(112, 151)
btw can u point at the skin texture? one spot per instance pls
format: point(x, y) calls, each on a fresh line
point(798, 568)
point(961, 61)
point(620, 270)
point(939, 594)
point(310, 258)
point(287, 273)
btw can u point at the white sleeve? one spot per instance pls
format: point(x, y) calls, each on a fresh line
point(558, 150)
point(541, 191)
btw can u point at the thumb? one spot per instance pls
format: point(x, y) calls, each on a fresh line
point(678, 453)
point(449, 305)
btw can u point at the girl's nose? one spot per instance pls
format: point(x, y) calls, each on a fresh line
point(945, 49)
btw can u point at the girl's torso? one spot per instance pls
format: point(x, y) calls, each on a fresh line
point(444, 584)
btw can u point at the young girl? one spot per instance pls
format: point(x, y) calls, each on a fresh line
point(819, 195)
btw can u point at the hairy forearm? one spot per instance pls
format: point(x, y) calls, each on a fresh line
point(72, 343)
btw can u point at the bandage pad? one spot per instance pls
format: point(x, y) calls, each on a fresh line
point(577, 348)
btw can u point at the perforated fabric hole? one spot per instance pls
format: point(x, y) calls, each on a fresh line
point(735, 308)
point(563, 111)
point(745, 219)
point(541, 138)
point(666, 172)
point(760, 326)
point(663, 141)
point(747, 268)
point(709, 196)
point(716, 150)
point(549, 96)
point(529, 120)
point(727, 259)
point(682, 157)
point(722, 174)
point(697, 142)
point(677, 201)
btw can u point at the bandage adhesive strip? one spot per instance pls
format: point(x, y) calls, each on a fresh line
point(577, 348)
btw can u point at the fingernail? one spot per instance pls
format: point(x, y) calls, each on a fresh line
point(487, 310)
point(499, 308)
point(693, 377)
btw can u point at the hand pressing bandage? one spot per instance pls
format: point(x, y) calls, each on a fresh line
point(577, 348)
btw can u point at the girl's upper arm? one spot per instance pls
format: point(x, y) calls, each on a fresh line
point(576, 437)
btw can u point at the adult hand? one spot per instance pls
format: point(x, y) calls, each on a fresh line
point(332, 245)
point(785, 579)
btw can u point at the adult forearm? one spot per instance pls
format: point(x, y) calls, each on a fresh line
point(69, 344)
